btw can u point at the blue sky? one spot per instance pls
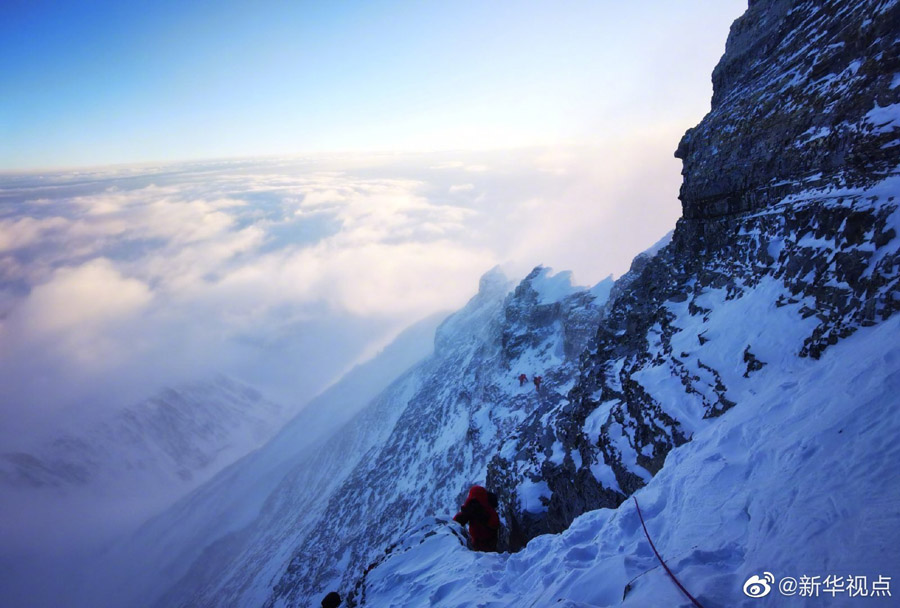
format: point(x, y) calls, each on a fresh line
point(96, 82)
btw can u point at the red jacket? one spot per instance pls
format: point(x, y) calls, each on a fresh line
point(482, 519)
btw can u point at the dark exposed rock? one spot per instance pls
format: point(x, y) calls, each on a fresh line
point(753, 364)
point(790, 93)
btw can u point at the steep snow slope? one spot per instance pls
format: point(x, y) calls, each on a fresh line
point(800, 480)
point(236, 521)
point(447, 430)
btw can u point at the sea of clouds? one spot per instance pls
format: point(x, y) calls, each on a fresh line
point(283, 273)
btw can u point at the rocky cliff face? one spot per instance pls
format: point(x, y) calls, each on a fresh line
point(787, 245)
point(802, 99)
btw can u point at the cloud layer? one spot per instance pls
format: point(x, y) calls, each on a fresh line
point(284, 272)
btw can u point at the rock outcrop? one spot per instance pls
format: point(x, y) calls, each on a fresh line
point(800, 101)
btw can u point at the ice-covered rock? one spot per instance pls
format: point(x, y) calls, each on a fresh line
point(768, 262)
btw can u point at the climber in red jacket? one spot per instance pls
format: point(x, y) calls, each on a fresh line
point(480, 512)
point(522, 379)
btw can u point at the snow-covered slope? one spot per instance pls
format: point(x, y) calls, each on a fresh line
point(470, 399)
point(800, 480)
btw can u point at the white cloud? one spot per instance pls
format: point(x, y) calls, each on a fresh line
point(141, 279)
point(27, 231)
point(82, 298)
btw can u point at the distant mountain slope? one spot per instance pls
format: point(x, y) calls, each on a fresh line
point(107, 478)
point(180, 433)
point(69, 496)
point(237, 521)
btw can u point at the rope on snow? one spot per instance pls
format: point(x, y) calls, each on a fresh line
point(659, 557)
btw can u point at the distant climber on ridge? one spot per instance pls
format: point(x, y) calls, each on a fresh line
point(522, 379)
point(480, 513)
point(537, 382)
